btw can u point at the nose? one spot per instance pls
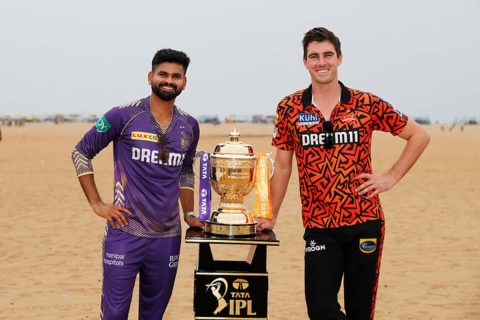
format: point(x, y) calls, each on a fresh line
point(321, 61)
point(168, 79)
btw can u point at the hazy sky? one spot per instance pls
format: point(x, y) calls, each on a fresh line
point(88, 56)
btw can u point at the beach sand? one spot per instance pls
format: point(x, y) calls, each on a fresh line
point(50, 239)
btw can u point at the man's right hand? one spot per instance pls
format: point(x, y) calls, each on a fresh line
point(115, 215)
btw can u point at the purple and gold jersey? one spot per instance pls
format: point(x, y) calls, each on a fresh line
point(148, 170)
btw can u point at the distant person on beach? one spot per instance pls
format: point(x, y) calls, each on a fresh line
point(329, 127)
point(154, 144)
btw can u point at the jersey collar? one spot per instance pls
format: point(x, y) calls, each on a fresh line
point(173, 120)
point(344, 96)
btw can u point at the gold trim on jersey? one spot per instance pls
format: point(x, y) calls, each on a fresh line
point(82, 164)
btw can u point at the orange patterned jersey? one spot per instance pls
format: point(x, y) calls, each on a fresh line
point(330, 157)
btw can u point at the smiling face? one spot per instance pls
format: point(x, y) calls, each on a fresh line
point(322, 62)
point(167, 80)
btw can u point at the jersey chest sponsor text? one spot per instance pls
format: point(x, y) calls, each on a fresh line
point(152, 156)
point(305, 119)
point(144, 136)
point(311, 139)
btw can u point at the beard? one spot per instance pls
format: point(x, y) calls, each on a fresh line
point(166, 96)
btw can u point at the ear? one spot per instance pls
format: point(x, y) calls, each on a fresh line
point(185, 84)
point(150, 76)
point(305, 63)
point(340, 59)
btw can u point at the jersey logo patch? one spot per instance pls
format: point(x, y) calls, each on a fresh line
point(348, 118)
point(144, 136)
point(184, 141)
point(275, 130)
point(102, 124)
point(307, 119)
point(368, 245)
point(313, 246)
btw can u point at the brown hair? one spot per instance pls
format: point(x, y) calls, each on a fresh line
point(321, 34)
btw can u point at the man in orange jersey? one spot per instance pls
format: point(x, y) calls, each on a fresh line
point(329, 127)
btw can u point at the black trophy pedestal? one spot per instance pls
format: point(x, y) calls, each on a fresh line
point(226, 289)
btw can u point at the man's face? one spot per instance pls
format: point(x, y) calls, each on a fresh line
point(167, 80)
point(322, 62)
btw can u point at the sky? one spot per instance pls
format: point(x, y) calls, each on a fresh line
point(88, 56)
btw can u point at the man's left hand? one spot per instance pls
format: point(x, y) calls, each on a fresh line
point(265, 224)
point(376, 183)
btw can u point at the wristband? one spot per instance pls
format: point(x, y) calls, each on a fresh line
point(190, 214)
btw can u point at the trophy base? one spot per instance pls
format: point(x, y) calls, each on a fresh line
point(230, 230)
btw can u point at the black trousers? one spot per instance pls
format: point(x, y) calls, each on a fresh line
point(352, 252)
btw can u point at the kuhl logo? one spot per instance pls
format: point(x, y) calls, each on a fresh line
point(307, 119)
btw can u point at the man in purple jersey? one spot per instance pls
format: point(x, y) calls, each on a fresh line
point(154, 144)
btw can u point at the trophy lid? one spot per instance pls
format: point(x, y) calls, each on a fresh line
point(234, 146)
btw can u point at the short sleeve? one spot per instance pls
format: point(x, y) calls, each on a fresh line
point(282, 133)
point(98, 137)
point(386, 118)
point(105, 130)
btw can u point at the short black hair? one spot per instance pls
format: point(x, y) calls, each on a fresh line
point(170, 55)
point(321, 34)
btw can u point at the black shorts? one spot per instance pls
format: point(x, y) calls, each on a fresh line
point(352, 252)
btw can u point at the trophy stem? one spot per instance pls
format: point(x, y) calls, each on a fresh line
point(232, 203)
point(231, 219)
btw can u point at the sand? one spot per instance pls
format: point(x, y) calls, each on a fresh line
point(50, 245)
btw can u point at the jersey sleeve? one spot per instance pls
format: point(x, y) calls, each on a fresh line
point(386, 118)
point(187, 176)
point(105, 130)
point(282, 134)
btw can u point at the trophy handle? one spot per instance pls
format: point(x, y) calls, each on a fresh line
point(272, 163)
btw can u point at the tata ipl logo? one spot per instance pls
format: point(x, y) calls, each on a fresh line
point(240, 301)
point(240, 284)
point(219, 288)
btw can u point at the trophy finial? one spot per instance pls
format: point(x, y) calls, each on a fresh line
point(234, 135)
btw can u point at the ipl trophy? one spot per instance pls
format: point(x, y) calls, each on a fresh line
point(232, 289)
point(233, 169)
